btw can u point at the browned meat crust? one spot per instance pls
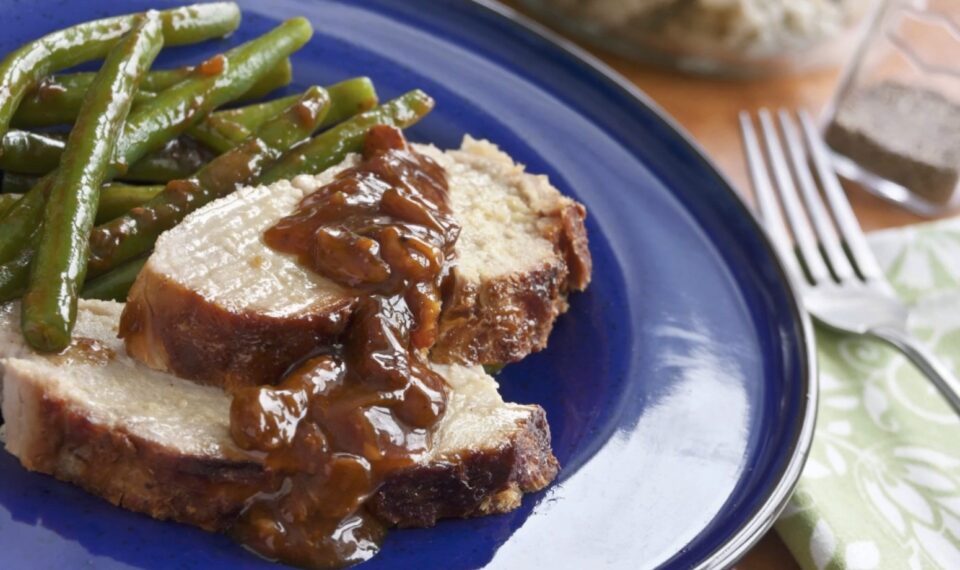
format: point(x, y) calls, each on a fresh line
point(168, 326)
point(129, 472)
point(499, 321)
point(480, 483)
point(208, 492)
point(572, 241)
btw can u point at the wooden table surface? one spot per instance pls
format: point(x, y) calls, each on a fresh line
point(707, 108)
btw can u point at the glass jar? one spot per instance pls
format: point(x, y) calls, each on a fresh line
point(894, 125)
point(740, 38)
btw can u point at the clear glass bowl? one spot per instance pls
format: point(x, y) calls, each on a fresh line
point(734, 38)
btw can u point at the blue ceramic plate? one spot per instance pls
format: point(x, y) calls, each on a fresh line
point(679, 387)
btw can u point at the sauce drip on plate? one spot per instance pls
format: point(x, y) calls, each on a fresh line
point(349, 415)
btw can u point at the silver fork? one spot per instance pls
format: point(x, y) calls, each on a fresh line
point(837, 275)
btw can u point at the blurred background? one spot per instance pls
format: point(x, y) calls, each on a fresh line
point(703, 61)
point(881, 76)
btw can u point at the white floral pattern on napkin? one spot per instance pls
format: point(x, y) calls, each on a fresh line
point(882, 485)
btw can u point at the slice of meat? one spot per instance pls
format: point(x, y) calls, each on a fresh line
point(216, 305)
point(157, 444)
point(522, 249)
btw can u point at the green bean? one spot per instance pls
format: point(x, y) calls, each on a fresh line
point(218, 81)
point(156, 80)
point(49, 307)
point(35, 153)
point(248, 119)
point(25, 67)
point(22, 219)
point(277, 77)
point(179, 158)
point(7, 201)
point(115, 284)
point(115, 200)
point(330, 147)
point(30, 153)
point(349, 98)
point(221, 136)
point(135, 233)
point(222, 130)
point(15, 272)
point(118, 199)
point(171, 113)
point(56, 100)
point(14, 183)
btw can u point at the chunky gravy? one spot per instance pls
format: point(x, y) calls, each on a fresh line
point(341, 420)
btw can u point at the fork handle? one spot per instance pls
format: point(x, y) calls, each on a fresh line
point(925, 360)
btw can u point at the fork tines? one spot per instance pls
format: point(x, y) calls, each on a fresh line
point(824, 254)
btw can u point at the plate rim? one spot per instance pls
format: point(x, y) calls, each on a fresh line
point(763, 518)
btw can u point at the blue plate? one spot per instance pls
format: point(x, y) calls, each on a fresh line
point(679, 387)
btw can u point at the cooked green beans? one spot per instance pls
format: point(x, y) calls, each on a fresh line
point(278, 76)
point(30, 153)
point(14, 275)
point(115, 199)
point(248, 119)
point(218, 81)
point(275, 78)
point(7, 201)
point(348, 98)
point(330, 147)
point(222, 130)
point(179, 158)
point(25, 67)
point(23, 152)
point(23, 219)
point(56, 100)
point(13, 183)
point(118, 199)
point(15, 272)
point(171, 113)
point(114, 285)
point(49, 307)
point(135, 233)
point(156, 80)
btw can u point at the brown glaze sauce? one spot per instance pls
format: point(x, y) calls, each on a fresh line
point(213, 66)
point(48, 89)
point(335, 426)
point(83, 350)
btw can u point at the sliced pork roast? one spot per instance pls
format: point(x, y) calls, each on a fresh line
point(157, 444)
point(216, 305)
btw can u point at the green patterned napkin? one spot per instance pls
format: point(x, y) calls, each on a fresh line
point(882, 486)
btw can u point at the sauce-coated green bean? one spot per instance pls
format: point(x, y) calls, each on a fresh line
point(49, 307)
